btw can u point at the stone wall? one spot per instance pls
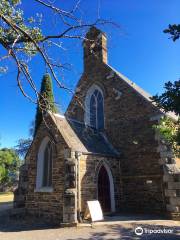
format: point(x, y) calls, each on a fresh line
point(21, 191)
point(47, 204)
point(74, 179)
point(128, 126)
point(89, 167)
point(70, 188)
point(172, 193)
point(140, 179)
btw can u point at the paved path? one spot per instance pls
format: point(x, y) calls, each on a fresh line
point(120, 231)
point(21, 229)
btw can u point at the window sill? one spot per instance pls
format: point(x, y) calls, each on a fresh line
point(44, 189)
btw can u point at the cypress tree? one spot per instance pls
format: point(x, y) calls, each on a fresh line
point(46, 101)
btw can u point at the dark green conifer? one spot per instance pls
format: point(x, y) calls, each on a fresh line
point(46, 101)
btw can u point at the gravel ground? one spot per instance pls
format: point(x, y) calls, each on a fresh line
point(23, 229)
point(14, 225)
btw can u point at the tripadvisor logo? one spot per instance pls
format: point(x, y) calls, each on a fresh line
point(138, 231)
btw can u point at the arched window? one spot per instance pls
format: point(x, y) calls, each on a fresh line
point(94, 115)
point(44, 165)
point(47, 168)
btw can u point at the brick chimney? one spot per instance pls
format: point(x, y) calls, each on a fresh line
point(95, 47)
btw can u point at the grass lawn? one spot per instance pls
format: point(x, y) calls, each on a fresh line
point(6, 197)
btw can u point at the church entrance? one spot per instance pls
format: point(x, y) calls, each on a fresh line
point(104, 194)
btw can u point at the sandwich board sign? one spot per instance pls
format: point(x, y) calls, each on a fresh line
point(94, 211)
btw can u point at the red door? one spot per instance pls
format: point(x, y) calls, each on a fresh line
point(104, 190)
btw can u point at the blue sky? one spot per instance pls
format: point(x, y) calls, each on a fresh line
point(139, 50)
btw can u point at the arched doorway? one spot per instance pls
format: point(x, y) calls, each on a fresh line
point(106, 189)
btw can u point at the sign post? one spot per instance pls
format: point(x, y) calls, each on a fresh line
point(94, 211)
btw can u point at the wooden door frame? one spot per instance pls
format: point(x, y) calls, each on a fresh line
point(111, 183)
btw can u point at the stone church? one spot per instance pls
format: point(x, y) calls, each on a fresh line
point(103, 148)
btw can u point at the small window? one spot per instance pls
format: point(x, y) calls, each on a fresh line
point(44, 165)
point(47, 166)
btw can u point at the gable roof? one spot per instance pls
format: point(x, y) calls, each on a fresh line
point(142, 92)
point(93, 140)
point(67, 133)
point(82, 138)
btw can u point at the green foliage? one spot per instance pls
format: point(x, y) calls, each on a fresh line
point(170, 99)
point(169, 131)
point(9, 166)
point(15, 24)
point(46, 101)
point(174, 31)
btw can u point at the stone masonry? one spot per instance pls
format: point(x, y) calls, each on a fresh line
point(145, 174)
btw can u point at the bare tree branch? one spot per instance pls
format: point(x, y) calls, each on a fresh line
point(22, 35)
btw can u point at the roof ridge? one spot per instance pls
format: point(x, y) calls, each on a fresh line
point(132, 84)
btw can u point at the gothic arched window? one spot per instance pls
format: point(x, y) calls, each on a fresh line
point(47, 166)
point(44, 165)
point(95, 108)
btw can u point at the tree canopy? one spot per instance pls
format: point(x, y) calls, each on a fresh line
point(9, 166)
point(46, 102)
point(169, 100)
point(174, 31)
